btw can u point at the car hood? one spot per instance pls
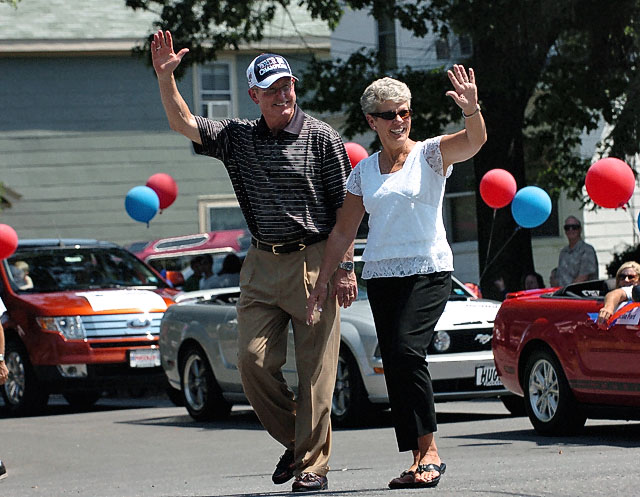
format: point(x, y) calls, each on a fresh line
point(457, 314)
point(468, 314)
point(83, 302)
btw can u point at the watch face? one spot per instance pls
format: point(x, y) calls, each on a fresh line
point(347, 266)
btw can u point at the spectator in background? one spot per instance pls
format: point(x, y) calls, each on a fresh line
point(553, 278)
point(192, 283)
point(207, 276)
point(531, 281)
point(578, 260)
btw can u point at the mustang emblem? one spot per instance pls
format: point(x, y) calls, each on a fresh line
point(483, 338)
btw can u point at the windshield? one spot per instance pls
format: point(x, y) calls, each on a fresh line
point(51, 269)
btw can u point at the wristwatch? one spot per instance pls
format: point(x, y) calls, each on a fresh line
point(1, 357)
point(346, 265)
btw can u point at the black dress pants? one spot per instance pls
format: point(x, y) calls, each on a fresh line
point(405, 311)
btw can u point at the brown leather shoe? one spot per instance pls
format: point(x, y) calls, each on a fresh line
point(284, 469)
point(309, 482)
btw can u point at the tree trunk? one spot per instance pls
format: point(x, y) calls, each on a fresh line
point(504, 250)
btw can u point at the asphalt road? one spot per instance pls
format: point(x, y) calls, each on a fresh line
point(146, 447)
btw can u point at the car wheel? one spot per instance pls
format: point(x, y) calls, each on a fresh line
point(514, 404)
point(549, 401)
point(82, 400)
point(22, 392)
point(350, 405)
point(201, 393)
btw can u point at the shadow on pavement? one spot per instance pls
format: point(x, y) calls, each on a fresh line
point(613, 435)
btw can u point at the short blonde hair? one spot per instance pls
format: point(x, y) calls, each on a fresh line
point(383, 90)
point(22, 265)
point(629, 264)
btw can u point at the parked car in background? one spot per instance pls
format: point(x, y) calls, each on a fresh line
point(199, 354)
point(172, 256)
point(88, 318)
point(548, 348)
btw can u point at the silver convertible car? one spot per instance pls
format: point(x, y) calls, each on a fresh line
point(199, 355)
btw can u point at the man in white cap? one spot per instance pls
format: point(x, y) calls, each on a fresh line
point(288, 171)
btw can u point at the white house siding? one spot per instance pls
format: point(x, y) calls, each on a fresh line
point(83, 121)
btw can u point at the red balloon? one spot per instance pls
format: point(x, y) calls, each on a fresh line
point(610, 182)
point(8, 241)
point(497, 188)
point(356, 153)
point(165, 187)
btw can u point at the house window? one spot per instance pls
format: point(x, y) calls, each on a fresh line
point(443, 51)
point(464, 42)
point(216, 90)
point(220, 212)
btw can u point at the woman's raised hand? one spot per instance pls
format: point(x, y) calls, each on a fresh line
point(465, 91)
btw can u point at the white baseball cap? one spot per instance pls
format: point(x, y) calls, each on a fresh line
point(266, 69)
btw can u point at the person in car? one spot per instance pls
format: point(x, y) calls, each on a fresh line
point(20, 273)
point(627, 276)
point(288, 171)
point(4, 372)
point(408, 261)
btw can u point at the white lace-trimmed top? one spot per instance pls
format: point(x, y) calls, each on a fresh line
point(406, 230)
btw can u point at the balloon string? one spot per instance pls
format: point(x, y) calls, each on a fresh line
point(499, 252)
point(493, 220)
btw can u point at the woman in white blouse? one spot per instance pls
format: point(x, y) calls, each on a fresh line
point(408, 261)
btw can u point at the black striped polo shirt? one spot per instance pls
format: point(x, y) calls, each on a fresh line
point(289, 186)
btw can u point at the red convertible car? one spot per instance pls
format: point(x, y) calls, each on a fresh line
point(548, 348)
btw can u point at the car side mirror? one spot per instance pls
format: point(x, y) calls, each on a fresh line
point(635, 293)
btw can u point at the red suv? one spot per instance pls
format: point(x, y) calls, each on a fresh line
point(83, 315)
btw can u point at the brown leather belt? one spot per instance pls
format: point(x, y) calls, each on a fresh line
point(286, 248)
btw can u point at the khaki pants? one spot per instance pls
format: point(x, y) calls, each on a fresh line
point(274, 291)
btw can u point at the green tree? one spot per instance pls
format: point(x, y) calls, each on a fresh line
point(547, 71)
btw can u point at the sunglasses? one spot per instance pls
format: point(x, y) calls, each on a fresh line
point(390, 115)
point(568, 227)
point(627, 276)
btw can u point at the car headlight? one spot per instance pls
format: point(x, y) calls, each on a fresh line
point(441, 341)
point(69, 326)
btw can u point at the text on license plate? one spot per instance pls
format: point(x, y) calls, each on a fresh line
point(144, 358)
point(487, 376)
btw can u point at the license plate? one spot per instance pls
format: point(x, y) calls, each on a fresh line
point(487, 376)
point(144, 358)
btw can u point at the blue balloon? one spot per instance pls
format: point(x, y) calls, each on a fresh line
point(142, 203)
point(531, 206)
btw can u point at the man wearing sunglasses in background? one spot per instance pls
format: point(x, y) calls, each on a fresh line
point(578, 260)
point(288, 171)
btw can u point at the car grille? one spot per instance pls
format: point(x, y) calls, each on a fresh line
point(466, 340)
point(122, 325)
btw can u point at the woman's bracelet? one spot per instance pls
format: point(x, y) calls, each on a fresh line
point(473, 113)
